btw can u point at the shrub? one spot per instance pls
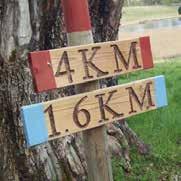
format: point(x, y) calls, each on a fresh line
point(179, 10)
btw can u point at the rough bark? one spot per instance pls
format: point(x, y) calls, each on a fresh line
point(38, 25)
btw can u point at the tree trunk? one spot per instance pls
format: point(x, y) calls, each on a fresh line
point(29, 25)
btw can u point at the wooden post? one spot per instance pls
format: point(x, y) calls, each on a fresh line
point(79, 32)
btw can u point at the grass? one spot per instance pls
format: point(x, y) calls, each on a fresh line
point(142, 13)
point(161, 129)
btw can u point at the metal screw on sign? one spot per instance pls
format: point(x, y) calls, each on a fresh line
point(49, 64)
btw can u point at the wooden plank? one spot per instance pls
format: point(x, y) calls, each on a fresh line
point(80, 64)
point(95, 146)
point(53, 119)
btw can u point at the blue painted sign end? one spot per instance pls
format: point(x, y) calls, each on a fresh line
point(34, 116)
point(34, 124)
point(160, 91)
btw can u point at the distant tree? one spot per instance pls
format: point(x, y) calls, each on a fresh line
point(179, 10)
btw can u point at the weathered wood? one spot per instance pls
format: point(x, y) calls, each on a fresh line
point(95, 146)
point(65, 116)
point(74, 65)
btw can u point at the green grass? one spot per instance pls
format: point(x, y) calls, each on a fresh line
point(142, 13)
point(161, 129)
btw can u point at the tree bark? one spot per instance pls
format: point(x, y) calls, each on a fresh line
point(29, 25)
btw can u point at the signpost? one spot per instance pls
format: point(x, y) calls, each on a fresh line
point(79, 32)
point(57, 118)
point(62, 67)
point(90, 110)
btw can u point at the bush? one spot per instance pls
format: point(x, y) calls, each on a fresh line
point(179, 10)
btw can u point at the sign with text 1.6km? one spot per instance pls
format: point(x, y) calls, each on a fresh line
point(62, 67)
point(57, 118)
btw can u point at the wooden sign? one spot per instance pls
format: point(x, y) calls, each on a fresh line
point(57, 118)
point(57, 68)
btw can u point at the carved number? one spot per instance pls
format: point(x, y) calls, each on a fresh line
point(83, 111)
point(49, 110)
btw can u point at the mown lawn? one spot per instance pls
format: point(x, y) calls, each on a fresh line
point(141, 13)
point(161, 129)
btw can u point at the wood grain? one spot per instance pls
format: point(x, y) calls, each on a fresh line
point(90, 111)
point(85, 63)
point(58, 118)
point(104, 59)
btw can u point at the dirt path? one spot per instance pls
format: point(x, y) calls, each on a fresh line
point(143, 20)
point(165, 42)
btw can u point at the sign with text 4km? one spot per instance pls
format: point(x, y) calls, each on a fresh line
point(62, 67)
point(57, 118)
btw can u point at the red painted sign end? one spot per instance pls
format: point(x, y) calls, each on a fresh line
point(146, 52)
point(41, 68)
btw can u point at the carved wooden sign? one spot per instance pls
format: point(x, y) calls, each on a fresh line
point(57, 118)
point(52, 69)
